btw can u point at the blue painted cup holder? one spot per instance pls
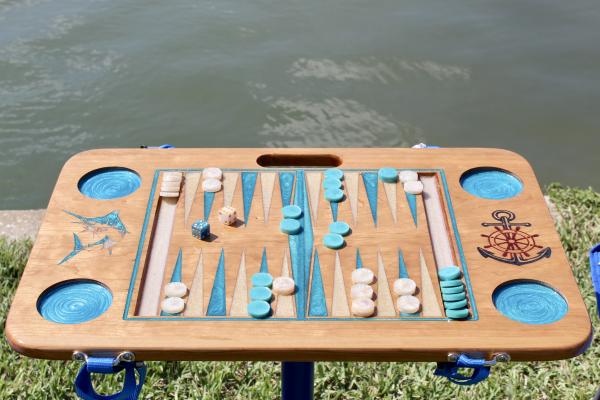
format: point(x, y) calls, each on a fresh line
point(530, 302)
point(491, 183)
point(74, 301)
point(109, 183)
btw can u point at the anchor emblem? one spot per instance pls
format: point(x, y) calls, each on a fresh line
point(509, 243)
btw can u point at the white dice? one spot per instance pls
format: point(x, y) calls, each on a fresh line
point(227, 215)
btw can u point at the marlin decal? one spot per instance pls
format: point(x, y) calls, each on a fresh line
point(109, 225)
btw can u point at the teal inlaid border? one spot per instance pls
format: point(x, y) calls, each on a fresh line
point(148, 216)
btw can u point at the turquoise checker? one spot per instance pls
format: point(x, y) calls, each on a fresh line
point(339, 227)
point(457, 314)
point(262, 279)
point(332, 183)
point(455, 305)
point(290, 226)
point(334, 173)
point(333, 241)
point(334, 195)
point(261, 293)
point(452, 290)
point(388, 175)
point(291, 211)
point(454, 296)
point(259, 309)
point(449, 273)
point(451, 283)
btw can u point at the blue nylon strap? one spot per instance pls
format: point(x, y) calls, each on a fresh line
point(131, 387)
point(480, 367)
point(594, 256)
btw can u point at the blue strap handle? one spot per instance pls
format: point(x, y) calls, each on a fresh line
point(594, 256)
point(131, 387)
point(162, 146)
point(480, 367)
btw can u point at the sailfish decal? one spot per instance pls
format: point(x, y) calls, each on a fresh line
point(109, 225)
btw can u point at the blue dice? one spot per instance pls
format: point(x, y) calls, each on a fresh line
point(201, 229)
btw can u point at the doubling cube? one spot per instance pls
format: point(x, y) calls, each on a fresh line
point(201, 229)
point(227, 215)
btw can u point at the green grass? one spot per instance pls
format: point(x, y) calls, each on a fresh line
point(579, 227)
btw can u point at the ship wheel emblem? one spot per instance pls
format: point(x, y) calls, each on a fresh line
point(509, 243)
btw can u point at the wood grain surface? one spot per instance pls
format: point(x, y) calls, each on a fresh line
point(283, 337)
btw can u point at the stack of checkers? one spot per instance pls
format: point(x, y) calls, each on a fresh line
point(453, 293)
point(211, 179)
point(171, 184)
point(332, 185)
point(335, 238)
point(262, 291)
point(290, 224)
point(174, 303)
point(261, 295)
point(362, 292)
point(411, 182)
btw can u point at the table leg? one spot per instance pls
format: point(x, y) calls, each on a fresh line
point(297, 380)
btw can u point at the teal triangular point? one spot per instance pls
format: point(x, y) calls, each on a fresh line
point(370, 181)
point(412, 203)
point(402, 271)
point(286, 185)
point(264, 267)
point(248, 185)
point(176, 276)
point(216, 305)
point(318, 306)
point(359, 263)
point(209, 198)
point(334, 210)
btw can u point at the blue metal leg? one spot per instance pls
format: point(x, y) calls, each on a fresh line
point(297, 380)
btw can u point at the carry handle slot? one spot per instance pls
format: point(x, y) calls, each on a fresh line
point(299, 160)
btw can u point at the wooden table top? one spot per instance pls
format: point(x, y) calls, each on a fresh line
point(131, 247)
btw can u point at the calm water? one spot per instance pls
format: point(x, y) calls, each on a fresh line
point(523, 75)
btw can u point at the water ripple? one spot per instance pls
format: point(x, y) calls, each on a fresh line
point(332, 122)
point(371, 69)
